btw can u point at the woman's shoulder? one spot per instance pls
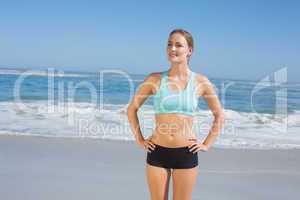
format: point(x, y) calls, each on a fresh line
point(205, 86)
point(201, 78)
point(154, 76)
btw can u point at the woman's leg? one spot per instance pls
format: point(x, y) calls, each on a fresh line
point(183, 183)
point(158, 181)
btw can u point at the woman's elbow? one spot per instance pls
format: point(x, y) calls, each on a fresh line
point(131, 109)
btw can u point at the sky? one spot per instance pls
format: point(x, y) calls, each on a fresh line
point(235, 39)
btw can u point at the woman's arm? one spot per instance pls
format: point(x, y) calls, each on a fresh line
point(146, 89)
point(215, 106)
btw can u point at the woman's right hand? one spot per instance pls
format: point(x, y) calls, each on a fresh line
point(147, 144)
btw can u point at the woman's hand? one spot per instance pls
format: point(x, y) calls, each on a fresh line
point(147, 144)
point(194, 147)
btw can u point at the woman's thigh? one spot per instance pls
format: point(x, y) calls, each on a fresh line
point(158, 181)
point(184, 181)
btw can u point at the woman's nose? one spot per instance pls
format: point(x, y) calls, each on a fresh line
point(173, 48)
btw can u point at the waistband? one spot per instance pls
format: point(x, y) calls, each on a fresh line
point(170, 148)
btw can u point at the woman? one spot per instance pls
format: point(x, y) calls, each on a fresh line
point(172, 149)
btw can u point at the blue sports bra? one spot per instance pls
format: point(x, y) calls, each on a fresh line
point(182, 102)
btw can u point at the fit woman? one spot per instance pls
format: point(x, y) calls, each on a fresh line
point(172, 149)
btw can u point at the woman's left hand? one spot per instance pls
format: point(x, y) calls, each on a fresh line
point(194, 147)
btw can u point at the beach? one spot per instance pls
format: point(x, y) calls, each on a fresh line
point(76, 92)
point(65, 168)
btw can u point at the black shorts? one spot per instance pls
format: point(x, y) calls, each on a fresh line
point(174, 158)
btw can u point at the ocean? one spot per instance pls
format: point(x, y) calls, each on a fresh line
point(261, 114)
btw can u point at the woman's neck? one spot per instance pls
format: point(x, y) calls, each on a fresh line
point(180, 71)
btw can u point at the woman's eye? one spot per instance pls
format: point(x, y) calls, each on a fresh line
point(177, 45)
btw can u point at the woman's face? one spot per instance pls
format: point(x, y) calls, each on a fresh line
point(178, 49)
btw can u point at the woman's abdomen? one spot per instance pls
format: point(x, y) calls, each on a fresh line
point(172, 131)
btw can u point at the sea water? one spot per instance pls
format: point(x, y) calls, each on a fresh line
point(259, 114)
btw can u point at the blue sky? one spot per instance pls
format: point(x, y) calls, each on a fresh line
point(233, 39)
